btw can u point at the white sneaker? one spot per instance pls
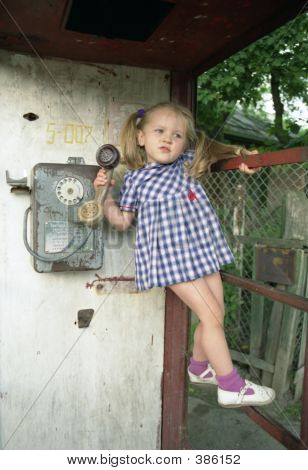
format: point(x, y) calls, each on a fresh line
point(201, 379)
point(262, 396)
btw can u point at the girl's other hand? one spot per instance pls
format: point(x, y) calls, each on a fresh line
point(244, 168)
point(249, 171)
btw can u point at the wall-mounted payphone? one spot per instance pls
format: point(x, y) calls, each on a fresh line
point(66, 214)
point(60, 241)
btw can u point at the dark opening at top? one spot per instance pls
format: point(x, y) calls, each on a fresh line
point(135, 20)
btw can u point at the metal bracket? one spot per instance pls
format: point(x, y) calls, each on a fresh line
point(19, 185)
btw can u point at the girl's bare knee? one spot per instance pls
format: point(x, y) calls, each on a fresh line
point(210, 319)
point(199, 297)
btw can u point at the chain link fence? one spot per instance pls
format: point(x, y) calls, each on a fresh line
point(252, 209)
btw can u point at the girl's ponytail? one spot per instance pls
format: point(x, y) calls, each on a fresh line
point(133, 155)
point(209, 151)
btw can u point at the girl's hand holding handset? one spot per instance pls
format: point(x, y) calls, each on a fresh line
point(101, 179)
point(120, 220)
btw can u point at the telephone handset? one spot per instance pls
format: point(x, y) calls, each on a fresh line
point(61, 240)
point(90, 212)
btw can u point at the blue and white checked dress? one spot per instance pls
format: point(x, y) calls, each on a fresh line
point(178, 234)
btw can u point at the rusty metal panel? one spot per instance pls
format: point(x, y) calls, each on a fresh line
point(275, 264)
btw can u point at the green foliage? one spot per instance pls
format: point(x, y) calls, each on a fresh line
point(232, 309)
point(243, 78)
point(292, 411)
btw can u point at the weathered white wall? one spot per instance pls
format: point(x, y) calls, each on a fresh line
point(62, 387)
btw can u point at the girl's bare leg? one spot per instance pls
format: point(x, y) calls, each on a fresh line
point(215, 284)
point(199, 296)
point(198, 352)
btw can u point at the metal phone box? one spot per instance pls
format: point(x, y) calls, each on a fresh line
point(60, 241)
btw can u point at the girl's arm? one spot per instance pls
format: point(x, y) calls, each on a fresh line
point(209, 151)
point(120, 220)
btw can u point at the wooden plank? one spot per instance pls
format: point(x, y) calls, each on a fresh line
point(256, 330)
point(238, 228)
point(288, 332)
point(296, 216)
point(304, 416)
point(256, 323)
point(250, 360)
point(273, 242)
point(299, 376)
point(272, 339)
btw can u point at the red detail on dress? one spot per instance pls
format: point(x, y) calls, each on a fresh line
point(191, 195)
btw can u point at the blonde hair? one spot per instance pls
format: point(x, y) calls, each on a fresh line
point(207, 151)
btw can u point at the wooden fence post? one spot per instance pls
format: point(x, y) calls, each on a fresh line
point(289, 325)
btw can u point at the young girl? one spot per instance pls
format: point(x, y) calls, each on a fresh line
point(179, 242)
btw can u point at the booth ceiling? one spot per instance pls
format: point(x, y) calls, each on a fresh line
point(179, 35)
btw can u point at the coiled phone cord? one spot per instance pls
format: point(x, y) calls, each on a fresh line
point(45, 258)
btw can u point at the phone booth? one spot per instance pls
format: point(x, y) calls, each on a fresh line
point(86, 361)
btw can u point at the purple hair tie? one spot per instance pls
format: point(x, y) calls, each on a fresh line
point(140, 113)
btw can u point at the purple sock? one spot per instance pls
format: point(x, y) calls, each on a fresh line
point(197, 367)
point(233, 382)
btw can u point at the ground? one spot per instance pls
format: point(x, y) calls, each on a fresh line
point(211, 427)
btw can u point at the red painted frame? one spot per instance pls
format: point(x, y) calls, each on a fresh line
point(174, 394)
point(279, 157)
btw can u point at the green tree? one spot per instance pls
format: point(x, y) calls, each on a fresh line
point(275, 63)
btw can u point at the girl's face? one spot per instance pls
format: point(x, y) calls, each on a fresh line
point(163, 137)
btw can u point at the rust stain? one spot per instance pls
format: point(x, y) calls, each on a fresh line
point(277, 261)
point(100, 279)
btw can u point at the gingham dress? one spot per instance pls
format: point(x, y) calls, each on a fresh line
point(178, 234)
